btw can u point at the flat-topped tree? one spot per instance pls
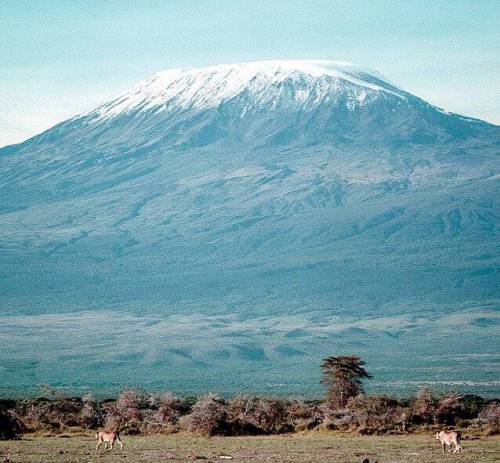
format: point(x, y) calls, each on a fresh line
point(343, 376)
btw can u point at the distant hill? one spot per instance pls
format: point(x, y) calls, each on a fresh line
point(239, 222)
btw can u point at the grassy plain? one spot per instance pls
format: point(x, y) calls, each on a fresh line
point(311, 447)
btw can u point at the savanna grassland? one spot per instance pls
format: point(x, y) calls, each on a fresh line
point(307, 447)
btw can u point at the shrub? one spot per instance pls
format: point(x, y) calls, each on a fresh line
point(187, 404)
point(432, 410)
point(375, 414)
point(128, 405)
point(447, 408)
point(124, 414)
point(334, 418)
point(489, 418)
point(112, 418)
point(469, 406)
point(10, 426)
point(303, 416)
point(27, 413)
point(422, 407)
point(207, 417)
point(127, 412)
point(49, 415)
point(251, 415)
point(162, 414)
point(238, 410)
point(169, 409)
point(90, 416)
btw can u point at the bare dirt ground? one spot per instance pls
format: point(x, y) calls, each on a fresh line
point(312, 447)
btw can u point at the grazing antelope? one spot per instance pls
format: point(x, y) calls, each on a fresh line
point(447, 438)
point(108, 438)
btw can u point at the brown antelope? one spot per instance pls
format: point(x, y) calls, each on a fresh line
point(108, 438)
point(449, 437)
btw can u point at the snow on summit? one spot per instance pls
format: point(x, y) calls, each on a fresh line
point(207, 87)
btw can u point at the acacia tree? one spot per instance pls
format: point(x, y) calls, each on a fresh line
point(343, 376)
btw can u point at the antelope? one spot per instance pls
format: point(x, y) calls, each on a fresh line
point(449, 437)
point(108, 438)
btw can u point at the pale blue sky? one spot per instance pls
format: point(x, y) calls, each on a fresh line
point(62, 57)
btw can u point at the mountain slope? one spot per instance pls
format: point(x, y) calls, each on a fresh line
point(248, 218)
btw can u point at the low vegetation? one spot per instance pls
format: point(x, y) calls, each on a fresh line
point(346, 409)
point(135, 413)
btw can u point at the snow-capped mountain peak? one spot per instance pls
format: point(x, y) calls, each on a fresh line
point(208, 87)
point(243, 217)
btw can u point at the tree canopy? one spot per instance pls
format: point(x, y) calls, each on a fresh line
point(343, 377)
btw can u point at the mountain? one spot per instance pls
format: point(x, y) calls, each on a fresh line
point(227, 227)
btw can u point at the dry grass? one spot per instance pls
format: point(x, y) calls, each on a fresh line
point(311, 447)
